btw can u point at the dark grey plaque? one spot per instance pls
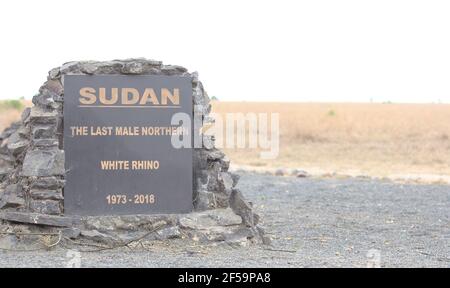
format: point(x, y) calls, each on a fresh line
point(95, 190)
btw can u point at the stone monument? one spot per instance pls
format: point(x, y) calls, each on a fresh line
point(34, 172)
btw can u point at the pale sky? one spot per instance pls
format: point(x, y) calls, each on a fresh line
point(243, 50)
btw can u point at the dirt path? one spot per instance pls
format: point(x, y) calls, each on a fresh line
point(313, 222)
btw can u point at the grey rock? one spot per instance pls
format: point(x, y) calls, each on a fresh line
point(208, 142)
point(109, 67)
point(134, 236)
point(240, 237)
point(43, 163)
point(46, 143)
point(243, 208)
point(128, 222)
point(4, 172)
point(54, 74)
point(8, 242)
point(15, 189)
point(97, 236)
point(222, 199)
point(10, 130)
point(206, 220)
point(11, 201)
point(201, 179)
point(128, 66)
point(133, 68)
point(44, 131)
point(42, 115)
point(141, 66)
point(39, 219)
point(266, 240)
point(209, 120)
point(213, 182)
point(70, 68)
point(194, 76)
point(169, 233)
point(6, 161)
point(71, 233)
point(214, 155)
point(59, 100)
point(225, 163)
point(201, 99)
point(89, 68)
point(302, 174)
point(46, 194)
point(205, 200)
point(227, 182)
point(47, 183)
point(216, 225)
point(24, 131)
point(25, 115)
point(46, 99)
point(173, 70)
point(224, 217)
point(280, 172)
point(53, 86)
point(200, 110)
point(16, 144)
point(49, 207)
point(12, 197)
point(4, 147)
point(235, 178)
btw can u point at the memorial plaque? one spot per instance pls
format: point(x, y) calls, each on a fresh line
point(117, 141)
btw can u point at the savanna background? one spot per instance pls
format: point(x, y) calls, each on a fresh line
point(398, 141)
point(10, 111)
point(404, 142)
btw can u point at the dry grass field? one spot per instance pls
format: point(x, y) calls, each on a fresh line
point(7, 116)
point(404, 141)
point(10, 111)
point(381, 140)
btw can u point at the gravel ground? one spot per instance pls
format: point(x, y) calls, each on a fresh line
point(313, 223)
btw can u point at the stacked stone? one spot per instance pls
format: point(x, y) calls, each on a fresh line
point(36, 181)
point(213, 184)
point(14, 143)
point(43, 166)
point(33, 156)
point(7, 158)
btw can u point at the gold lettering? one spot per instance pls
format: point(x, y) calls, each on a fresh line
point(149, 92)
point(145, 165)
point(129, 96)
point(125, 96)
point(114, 96)
point(174, 98)
point(127, 131)
point(115, 165)
point(87, 96)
